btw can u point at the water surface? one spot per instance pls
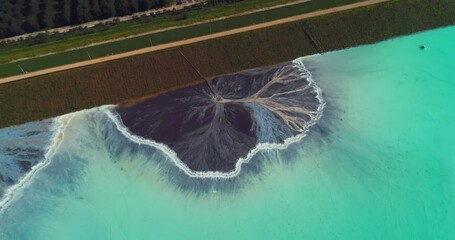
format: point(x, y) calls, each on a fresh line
point(379, 164)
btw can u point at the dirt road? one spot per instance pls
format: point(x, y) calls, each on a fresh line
point(190, 41)
point(168, 28)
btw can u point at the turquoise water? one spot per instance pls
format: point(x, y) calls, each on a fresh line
point(379, 165)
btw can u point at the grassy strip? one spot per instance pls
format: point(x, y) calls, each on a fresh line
point(82, 38)
point(152, 73)
point(44, 62)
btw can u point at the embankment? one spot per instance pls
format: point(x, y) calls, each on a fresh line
point(148, 74)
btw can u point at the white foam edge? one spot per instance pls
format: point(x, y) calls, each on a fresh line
point(58, 127)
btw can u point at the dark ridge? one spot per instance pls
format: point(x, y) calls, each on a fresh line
point(13, 150)
point(310, 36)
point(28, 152)
point(25, 165)
point(9, 181)
point(32, 133)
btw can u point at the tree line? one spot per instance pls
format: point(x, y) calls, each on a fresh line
point(213, 2)
point(24, 16)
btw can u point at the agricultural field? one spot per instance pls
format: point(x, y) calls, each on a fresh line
point(23, 16)
point(148, 74)
point(128, 28)
point(57, 42)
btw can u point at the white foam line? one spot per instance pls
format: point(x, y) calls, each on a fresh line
point(238, 167)
point(58, 126)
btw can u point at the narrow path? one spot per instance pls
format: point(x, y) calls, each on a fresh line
point(190, 41)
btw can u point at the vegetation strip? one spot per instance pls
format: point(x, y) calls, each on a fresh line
point(30, 16)
point(189, 41)
point(154, 39)
point(153, 73)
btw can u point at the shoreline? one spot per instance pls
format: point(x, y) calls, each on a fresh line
point(60, 124)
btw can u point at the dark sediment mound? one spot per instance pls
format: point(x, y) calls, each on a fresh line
point(211, 127)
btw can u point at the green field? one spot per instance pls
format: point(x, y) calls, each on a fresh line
point(84, 37)
point(120, 46)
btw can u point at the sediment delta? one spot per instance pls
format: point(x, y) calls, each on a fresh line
point(214, 127)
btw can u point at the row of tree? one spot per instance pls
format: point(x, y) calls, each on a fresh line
point(23, 16)
point(213, 2)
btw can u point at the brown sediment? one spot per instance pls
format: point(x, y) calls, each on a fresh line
point(158, 72)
